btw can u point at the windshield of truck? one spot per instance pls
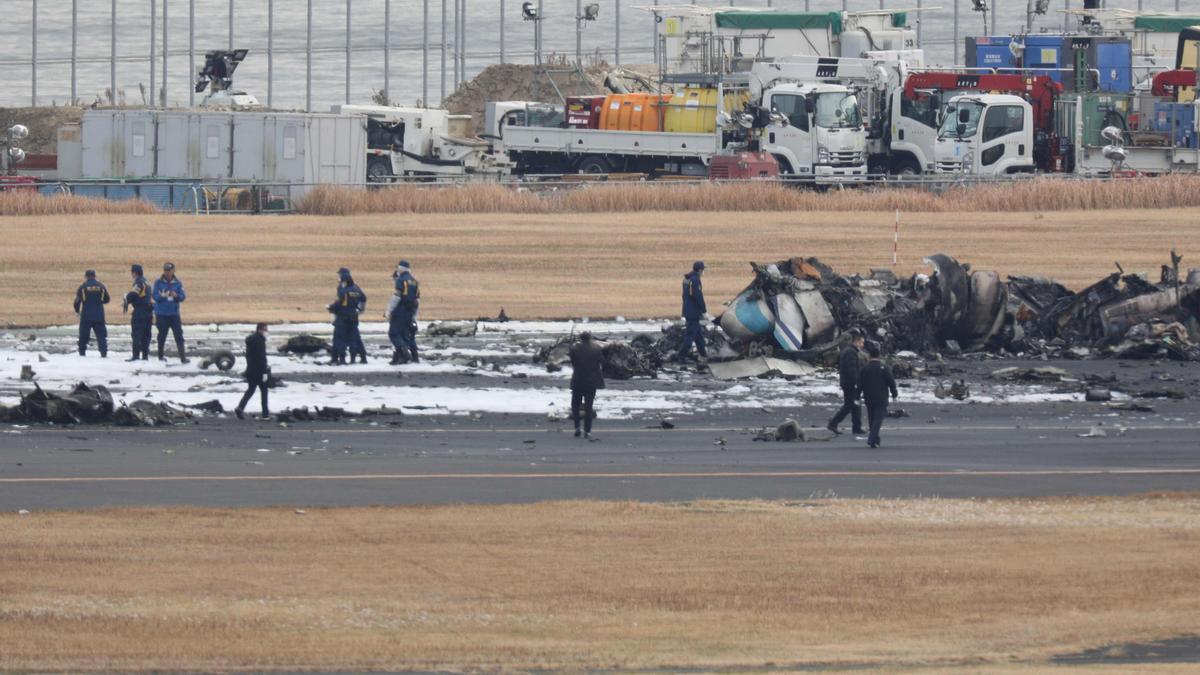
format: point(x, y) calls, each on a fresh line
point(838, 110)
point(950, 119)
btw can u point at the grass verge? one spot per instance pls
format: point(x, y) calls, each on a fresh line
point(1031, 195)
point(244, 268)
point(595, 585)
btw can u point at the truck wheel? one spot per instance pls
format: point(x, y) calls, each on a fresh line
point(379, 170)
point(906, 167)
point(594, 164)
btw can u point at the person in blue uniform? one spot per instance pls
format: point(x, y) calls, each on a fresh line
point(694, 310)
point(168, 294)
point(257, 371)
point(402, 315)
point(139, 299)
point(350, 303)
point(90, 299)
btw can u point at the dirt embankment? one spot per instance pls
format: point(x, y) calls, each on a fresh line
point(43, 123)
point(513, 82)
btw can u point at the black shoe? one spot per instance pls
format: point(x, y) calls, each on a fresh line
point(415, 358)
point(265, 417)
point(133, 358)
point(872, 445)
point(363, 357)
point(858, 432)
point(833, 429)
point(577, 433)
point(238, 412)
point(184, 359)
point(104, 355)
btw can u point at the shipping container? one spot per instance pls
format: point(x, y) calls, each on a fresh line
point(1110, 59)
point(228, 146)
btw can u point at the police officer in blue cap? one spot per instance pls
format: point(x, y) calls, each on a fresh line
point(90, 299)
point(402, 315)
point(139, 298)
point(693, 311)
point(168, 294)
point(350, 303)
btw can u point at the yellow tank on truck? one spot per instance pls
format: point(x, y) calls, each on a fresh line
point(693, 110)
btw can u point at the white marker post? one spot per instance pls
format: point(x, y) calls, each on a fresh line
point(896, 238)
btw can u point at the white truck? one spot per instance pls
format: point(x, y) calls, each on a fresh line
point(986, 135)
point(817, 134)
point(422, 142)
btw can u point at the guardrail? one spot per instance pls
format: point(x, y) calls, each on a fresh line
point(228, 197)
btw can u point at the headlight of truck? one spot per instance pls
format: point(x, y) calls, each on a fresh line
point(822, 154)
point(968, 160)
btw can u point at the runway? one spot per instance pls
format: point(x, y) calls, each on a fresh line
point(952, 452)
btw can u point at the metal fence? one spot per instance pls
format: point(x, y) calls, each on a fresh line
point(451, 38)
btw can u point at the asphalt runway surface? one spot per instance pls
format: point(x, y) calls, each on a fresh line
point(995, 450)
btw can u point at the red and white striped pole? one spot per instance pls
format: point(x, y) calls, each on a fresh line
point(896, 238)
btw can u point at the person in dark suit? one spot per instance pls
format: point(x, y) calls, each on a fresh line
point(257, 371)
point(587, 363)
point(850, 363)
point(876, 382)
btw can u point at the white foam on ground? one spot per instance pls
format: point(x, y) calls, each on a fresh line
point(181, 384)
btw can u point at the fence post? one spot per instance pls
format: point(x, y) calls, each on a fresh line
point(74, 48)
point(112, 52)
point(270, 51)
point(308, 61)
point(163, 97)
point(153, 56)
point(33, 58)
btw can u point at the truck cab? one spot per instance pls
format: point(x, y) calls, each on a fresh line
point(986, 135)
point(820, 133)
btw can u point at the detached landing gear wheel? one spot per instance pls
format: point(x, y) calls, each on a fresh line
point(594, 164)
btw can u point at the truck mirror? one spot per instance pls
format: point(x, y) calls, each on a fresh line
point(964, 116)
point(960, 129)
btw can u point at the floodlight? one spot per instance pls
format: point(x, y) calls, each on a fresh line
point(1041, 7)
point(1113, 134)
point(16, 155)
point(591, 11)
point(18, 131)
point(1114, 153)
point(979, 5)
point(529, 11)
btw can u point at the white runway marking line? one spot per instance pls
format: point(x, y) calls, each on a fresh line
point(631, 430)
point(664, 475)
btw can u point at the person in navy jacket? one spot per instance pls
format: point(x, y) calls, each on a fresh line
point(402, 315)
point(90, 299)
point(351, 301)
point(139, 298)
point(168, 294)
point(694, 310)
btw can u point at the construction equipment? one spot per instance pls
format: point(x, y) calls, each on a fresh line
point(216, 75)
point(421, 142)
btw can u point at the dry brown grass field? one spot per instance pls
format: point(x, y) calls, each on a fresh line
point(246, 268)
point(581, 585)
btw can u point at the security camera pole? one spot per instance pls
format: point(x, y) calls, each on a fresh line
point(981, 6)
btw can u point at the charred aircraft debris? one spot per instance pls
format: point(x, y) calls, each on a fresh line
point(798, 310)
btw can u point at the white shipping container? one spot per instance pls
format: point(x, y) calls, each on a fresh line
point(227, 146)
